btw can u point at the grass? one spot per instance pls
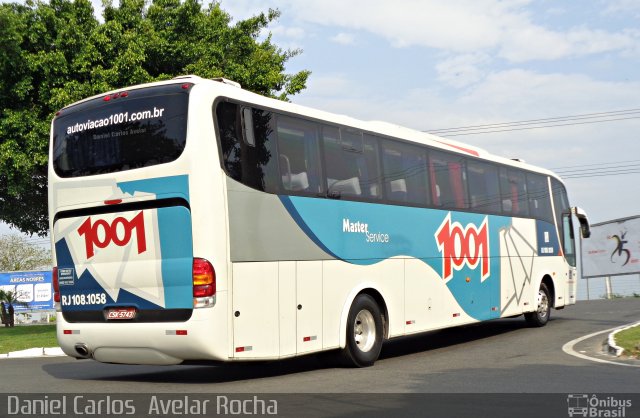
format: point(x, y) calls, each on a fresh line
point(630, 341)
point(23, 337)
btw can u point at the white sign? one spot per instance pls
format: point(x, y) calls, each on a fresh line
point(43, 292)
point(25, 293)
point(613, 249)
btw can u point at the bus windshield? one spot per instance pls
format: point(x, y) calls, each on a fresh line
point(140, 128)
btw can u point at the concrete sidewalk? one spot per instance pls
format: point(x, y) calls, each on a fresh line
point(35, 352)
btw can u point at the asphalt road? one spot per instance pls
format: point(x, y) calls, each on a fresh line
point(502, 356)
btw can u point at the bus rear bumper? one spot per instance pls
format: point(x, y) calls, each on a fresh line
point(203, 337)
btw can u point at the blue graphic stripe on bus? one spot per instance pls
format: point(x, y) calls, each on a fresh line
point(288, 204)
point(362, 233)
point(176, 243)
point(173, 186)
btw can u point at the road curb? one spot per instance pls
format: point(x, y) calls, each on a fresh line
point(612, 347)
point(35, 352)
point(569, 348)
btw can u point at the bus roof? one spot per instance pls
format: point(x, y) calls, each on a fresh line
point(228, 88)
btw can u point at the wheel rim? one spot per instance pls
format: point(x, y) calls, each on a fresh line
point(543, 304)
point(364, 330)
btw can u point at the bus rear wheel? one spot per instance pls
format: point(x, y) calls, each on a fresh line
point(540, 316)
point(364, 332)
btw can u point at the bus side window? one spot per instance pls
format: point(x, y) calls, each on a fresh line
point(253, 164)
point(405, 172)
point(560, 200)
point(568, 240)
point(513, 188)
point(449, 182)
point(539, 198)
point(351, 168)
point(369, 168)
point(484, 186)
point(298, 155)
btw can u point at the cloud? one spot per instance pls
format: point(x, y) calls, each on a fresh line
point(526, 93)
point(501, 96)
point(537, 43)
point(409, 22)
point(463, 27)
point(332, 86)
point(624, 7)
point(288, 32)
point(344, 39)
point(243, 9)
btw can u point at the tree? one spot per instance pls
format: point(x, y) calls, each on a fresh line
point(52, 54)
point(17, 254)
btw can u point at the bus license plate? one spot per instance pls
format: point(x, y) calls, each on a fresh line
point(121, 313)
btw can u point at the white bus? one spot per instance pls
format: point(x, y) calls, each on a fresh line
point(193, 220)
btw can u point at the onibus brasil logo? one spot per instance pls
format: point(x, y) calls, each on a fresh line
point(463, 245)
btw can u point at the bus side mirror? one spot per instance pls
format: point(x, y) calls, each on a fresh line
point(581, 215)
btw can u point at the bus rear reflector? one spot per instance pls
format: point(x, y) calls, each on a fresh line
point(176, 332)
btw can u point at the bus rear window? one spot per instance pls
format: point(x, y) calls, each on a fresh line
point(144, 128)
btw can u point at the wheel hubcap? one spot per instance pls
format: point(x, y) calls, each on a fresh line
point(543, 304)
point(364, 330)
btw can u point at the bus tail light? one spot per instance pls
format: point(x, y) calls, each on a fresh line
point(56, 289)
point(204, 283)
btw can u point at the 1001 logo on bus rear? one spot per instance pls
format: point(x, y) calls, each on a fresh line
point(119, 232)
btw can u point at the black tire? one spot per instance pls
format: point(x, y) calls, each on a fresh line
point(364, 332)
point(541, 315)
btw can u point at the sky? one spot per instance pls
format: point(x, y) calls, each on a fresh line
point(432, 65)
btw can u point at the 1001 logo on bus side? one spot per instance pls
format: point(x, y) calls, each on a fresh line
point(463, 246)
point(100, 233)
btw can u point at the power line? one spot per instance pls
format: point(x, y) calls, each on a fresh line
point(612, 168)
point(559, 121)
point(540, 127)
point(601, 174)
point(544, 120)
point(568, 172)
point(603, 169)
point(594, 165)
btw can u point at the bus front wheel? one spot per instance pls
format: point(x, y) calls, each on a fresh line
point(364, 332)
point(540, 316)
